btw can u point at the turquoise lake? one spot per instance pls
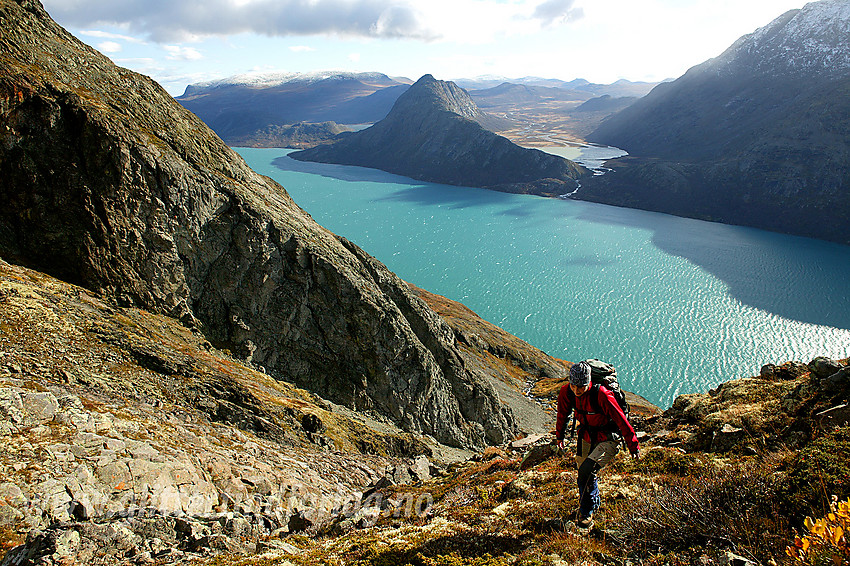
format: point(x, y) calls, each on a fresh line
point(678, 305)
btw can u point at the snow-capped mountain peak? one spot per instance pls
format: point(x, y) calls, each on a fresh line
point(810, 41)
point(269, 80)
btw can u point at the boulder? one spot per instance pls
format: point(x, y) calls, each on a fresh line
point(195, 534)
point(9, 515)
point(790, 370)
point(54, 546)
point(10, 493)
point(729, 558)
point(55, 500)
point(11, 405)
point(400, 475)
point(420, 469)
point(39, 408)
point(538, 454)
point(727, 437)
point(824, 367)
point(530, 440)
point(838, 381)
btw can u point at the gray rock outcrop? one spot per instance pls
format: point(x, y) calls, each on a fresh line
point(110, 184)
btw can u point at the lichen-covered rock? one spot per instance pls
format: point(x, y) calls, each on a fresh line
point(109, 183)
point(39, 408)
point(839, 381)
point(11, 405)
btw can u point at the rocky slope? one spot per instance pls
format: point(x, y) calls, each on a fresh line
point(431, 134)
point(109, 183)
point(756, 136)
point(726, 477)
point(130, 439)
point(138, 427)
point(245, 107)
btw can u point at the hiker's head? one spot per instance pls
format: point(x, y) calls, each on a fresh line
point(580, 378)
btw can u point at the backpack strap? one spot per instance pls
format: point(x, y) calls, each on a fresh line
point(610, 427)
point(593, 393)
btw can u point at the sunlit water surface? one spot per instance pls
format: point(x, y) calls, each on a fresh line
point(678, 305)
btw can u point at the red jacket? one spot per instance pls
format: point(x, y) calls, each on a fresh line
point(611, 411)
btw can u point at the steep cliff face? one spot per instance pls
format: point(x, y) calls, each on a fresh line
point(756, 136)
point(109, 183)
point(432, 134)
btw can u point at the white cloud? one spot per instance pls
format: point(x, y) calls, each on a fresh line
point(179, 53)
point(301, 48)
point(485, 21)
point(553, 12)
point(109, 47)
point(140, 64)
point(166, 21)
point(355, 57)
point(109, 35)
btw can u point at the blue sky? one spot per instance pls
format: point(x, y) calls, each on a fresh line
point(179, 42)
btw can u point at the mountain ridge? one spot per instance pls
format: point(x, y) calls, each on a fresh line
point(266, 80)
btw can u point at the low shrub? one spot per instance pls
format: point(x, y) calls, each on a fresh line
point(819, 472)
point(730, 508)
point(827, 540)
point(657, 461)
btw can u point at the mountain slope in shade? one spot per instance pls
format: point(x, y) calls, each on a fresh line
point(108, 183)
point(245, 106)
point(432, 134)
point(757, 136)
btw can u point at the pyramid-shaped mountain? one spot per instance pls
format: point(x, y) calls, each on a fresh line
point(433, 134)
point(756, 136)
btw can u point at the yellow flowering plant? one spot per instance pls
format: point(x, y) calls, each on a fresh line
point(827, 539)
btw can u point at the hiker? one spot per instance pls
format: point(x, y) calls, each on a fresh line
point(601, 425)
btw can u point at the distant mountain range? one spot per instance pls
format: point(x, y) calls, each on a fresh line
point(244, 107)
point(253, 109)
point(617, 89)
point(758, 136)
point(433, 134)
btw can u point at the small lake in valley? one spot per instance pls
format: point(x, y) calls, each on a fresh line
point(678, 305)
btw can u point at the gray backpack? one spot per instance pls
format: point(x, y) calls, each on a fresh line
point(604, 374)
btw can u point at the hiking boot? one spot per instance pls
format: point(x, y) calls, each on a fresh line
point(585, 522)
